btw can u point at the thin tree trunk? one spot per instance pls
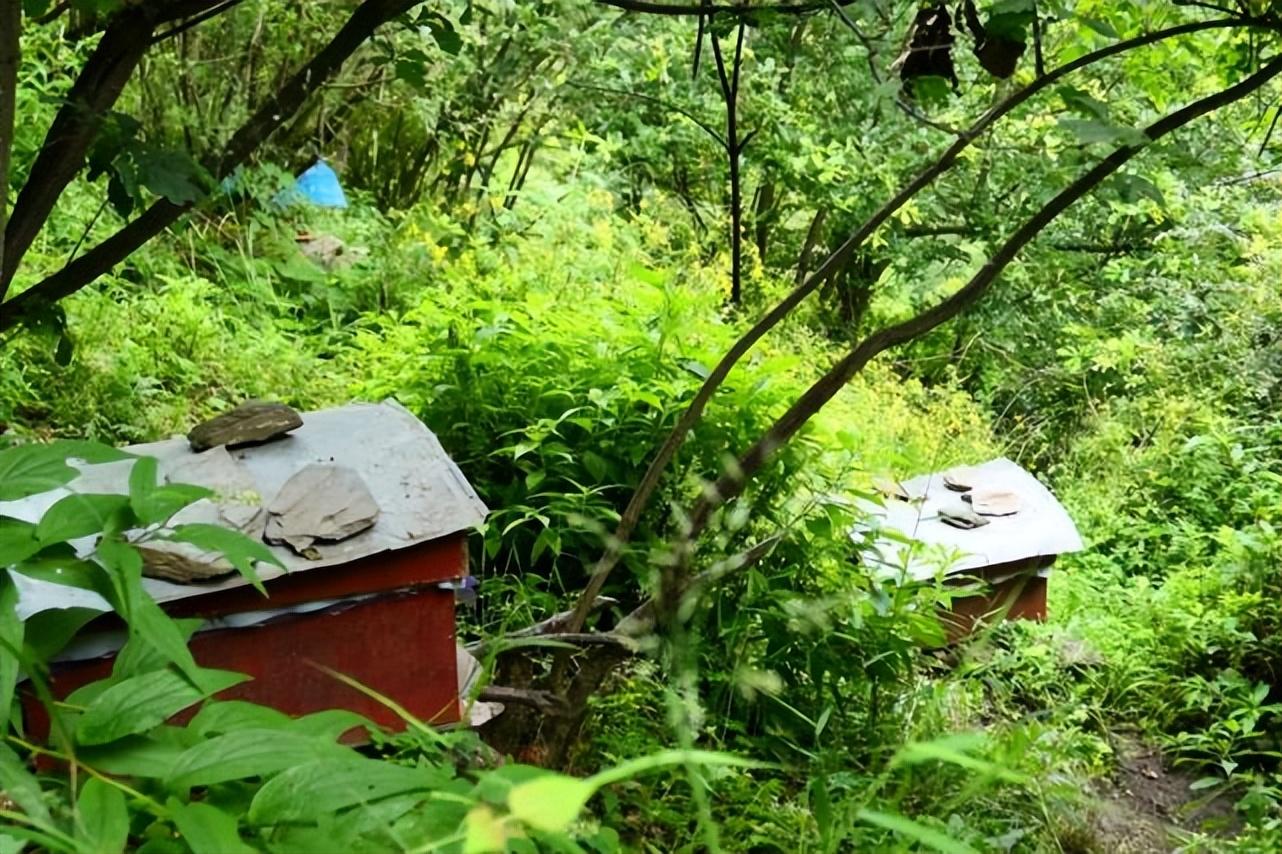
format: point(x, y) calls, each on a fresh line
point(10, 47)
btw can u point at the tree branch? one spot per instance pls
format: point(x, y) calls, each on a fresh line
point(676, 438)
point(10, 49)
point(62, 156)
point(683, 10)
point(731, 482)
point(367, 18)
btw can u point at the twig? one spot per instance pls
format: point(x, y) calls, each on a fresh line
point(195, 21)
point(667, 105)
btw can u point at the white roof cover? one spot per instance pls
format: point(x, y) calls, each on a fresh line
point(1041, 527)
point(421, 494)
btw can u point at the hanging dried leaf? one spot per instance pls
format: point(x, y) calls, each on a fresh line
point(930, 49)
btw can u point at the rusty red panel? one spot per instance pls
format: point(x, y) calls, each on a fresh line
point(1024, 597)
point(426, 563)
point(401, 646)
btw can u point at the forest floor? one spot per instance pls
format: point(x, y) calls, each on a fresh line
point(1147, 806)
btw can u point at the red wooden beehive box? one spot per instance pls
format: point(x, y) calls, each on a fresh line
point(377, 607)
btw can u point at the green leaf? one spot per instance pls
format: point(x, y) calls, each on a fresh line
point(49, 632)
point(1104, 28)
point(59, 565)
point(32, 469)
point(331, 724)
point(102, 820)
point(551, 803)
point(927, 836)
point(80, 515)
point(17, 541)
point(152, 755)
point(171, 174)
point(21, 786)
point(249, 753)
point(11, 634)
point(1132, 188)
point(229, 715)
point(240, 550)
point(1083, 103)
point(307, 792)
point(145, 618)
point(1088, 132)
point(447, 38)
point(152, 503)
point(139, 703)
point(207, 829)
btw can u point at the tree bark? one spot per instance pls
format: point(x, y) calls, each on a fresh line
point(10, 54)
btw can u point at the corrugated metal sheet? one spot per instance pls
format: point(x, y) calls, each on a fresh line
point(1042, 527)
point(421, 494)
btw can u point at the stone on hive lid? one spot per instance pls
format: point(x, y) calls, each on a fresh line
point(320, 503)
point(235, 505)
point(995, 502)
point(961, 478)
point(185, 563)
point(960, 515)
point(251, 422)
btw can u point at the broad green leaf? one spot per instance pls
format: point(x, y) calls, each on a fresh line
point(11, 634)
point(309, 791)
point(207, 829)
point(484, 832)
point(249, 753)
point(330, 724)
point(1104, 28)
point(102, 819)
point(138, 656)
point(59, 564)
point(145, 618)
point(152, 503)
point(229, 715)
point(74, 516)
point(171, 174)
point(1089, 131)
point(17, 541)
point(240, 550)
point(152, 755)
point(139, 703)
point(1083, 103)
point(31, 469)
point(550, 803)
point(928, 836)
point(49, 632)
point(21, 786)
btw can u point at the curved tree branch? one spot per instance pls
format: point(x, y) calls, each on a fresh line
point(676, 438)
point(358, 29)
point(732, 481)
point(62, 156)
point(10, 27)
